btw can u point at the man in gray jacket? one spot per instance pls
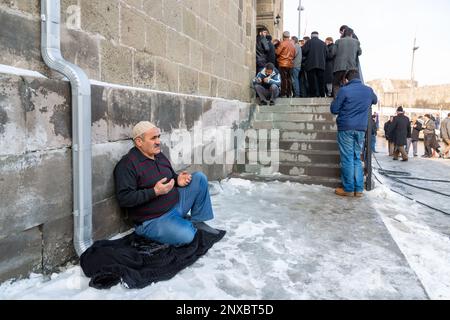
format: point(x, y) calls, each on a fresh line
point(445, 135)
point(297, 67)
point(346, 52)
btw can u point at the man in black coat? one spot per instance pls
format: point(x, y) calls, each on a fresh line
point(388, 135)
point(400, 131)
point(262, 49)
point(315, 51)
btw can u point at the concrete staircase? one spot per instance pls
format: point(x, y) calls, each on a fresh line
point(308, 151)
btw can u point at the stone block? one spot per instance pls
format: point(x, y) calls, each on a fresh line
point(202, 31)
point(193, 109)
point(125, 109)
point(166, 75)
point(107, 219)
point(99, 115)
point(156, 38)
point(203, 10)
point(132, 26)
point(81, 49)
point(48, 114)
point(154, 8)
point(20, 47)
point(173, 14)
point(116, 64)
point(204, 84)
point(179, 54)
point(189, 24)
point(192, 5)
point(222, 88)
point(104, 159)
point(57, 242)
point(196, 50)
point(167, 111)
point(26, 6)
point(214, 87)
point(188, 80)
point(21, 254)
point(135, 3)
point(144, 70)
point(102, 17)
point(34, 188)
point(218, 67)
point(207, 59)
point(12, 116)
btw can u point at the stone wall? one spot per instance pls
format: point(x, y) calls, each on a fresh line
point(400, 92)
point(195, 47)
point(35, 160)
point(267, 11)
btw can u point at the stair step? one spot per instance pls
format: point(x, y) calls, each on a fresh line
point(299, 109)
point(295, 135)
point(294, 117)
point(296, 125)
point(304, 101)
point(325, 145)
point(328, 182)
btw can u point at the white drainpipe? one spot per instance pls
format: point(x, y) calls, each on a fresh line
point(81, 122)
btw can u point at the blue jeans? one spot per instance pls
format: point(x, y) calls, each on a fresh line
point(296, 81)
point(173, 227)
point(350, 146)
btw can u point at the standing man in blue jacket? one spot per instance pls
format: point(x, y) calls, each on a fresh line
point(352, 105)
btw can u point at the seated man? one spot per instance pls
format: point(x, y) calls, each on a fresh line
point(158, 200)
point(267, 84)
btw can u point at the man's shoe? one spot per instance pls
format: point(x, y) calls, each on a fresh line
point(426, 156)
point(404, 160)
point(263, 103)
point(358, 194)
point(341, 192)
point(395, 159)
point(203, 226)
point(272, 103)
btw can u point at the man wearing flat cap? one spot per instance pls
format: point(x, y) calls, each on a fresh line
point(158, 199)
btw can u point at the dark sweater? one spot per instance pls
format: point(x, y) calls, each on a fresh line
point(136, 176)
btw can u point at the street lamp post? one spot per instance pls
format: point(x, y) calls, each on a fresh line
point(415, 48)
point(300, 9)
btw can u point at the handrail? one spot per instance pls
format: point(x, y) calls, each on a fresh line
point(368, 143)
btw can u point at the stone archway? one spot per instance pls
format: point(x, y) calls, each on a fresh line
point(266, 11)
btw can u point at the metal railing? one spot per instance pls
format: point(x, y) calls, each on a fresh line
point(367, 144)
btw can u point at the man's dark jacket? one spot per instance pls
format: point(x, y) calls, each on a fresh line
point(400, 129)
point(352, 106)
point(315, 51)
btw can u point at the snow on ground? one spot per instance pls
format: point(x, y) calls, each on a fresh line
point(422, 234)
point(292, 241)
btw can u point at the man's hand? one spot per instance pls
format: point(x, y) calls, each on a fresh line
point(258, 80)
point(162, 188)
point(184, 179)
point(266, 80)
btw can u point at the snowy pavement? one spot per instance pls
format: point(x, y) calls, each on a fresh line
point(292, 241)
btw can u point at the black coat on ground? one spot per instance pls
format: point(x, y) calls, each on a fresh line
point(400, 130)
point(138, 262)
point(315, 51)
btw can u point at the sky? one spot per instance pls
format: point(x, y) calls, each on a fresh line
point(386, 29)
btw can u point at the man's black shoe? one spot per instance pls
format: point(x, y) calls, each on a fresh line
point(272, 103)
point(263, 103)
point(203, 226)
